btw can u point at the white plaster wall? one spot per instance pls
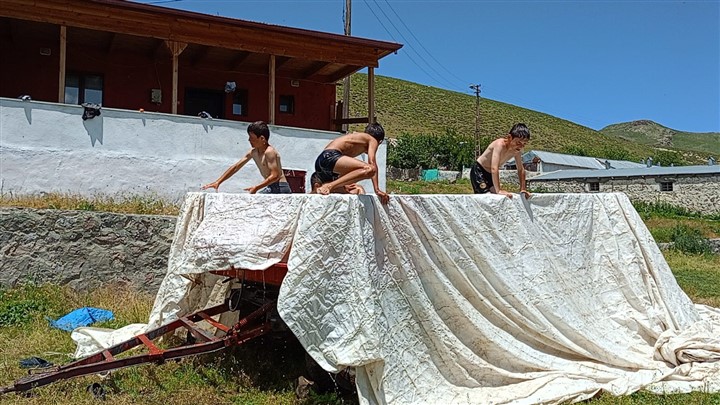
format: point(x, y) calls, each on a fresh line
point(47, 147)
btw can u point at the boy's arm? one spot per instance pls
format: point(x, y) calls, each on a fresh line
point(229, 172)
point(521, 174)
point(372, 151)
point(271, 159)
point(495, 170)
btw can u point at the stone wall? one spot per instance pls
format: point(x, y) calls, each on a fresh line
point(83, 249)
point(86, 250)
point(696, 194)
point(393, 173)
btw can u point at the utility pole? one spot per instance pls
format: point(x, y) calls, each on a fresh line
point(476, 88)
point(346, 81)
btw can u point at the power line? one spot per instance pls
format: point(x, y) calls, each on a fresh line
point(410, 46)
point(394, 39)
point(421, 44)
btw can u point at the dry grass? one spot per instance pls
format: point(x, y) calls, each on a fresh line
point(123, 204)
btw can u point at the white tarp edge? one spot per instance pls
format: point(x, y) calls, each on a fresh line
point(457, 299)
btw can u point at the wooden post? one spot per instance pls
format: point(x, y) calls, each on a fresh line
point(63, 59)
point(271, 86)
point(346, 81)
point(371, 95)
point(176, 48)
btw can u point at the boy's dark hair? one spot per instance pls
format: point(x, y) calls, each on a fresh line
point(315, 179)
point(259, 128)
point(521, 131)
point(376, 131)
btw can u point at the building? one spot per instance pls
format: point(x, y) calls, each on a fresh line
point(134, 56)
point(696, 188)
point(544, 162)
point(151, 71)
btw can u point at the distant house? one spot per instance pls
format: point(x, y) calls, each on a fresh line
point(544, 162)
point(697, 188)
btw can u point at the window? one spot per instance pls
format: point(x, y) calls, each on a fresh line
point(594, 187)
point(666, 186)
point(209, 101)
point(81, 89)
point(287, 104)
point(240, 102)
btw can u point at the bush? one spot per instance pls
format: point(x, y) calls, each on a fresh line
point(668, 157)
point(662, 209)
point(689, 240)
point(451, 151)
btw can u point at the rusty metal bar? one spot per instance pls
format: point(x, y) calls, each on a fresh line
point(105, 360)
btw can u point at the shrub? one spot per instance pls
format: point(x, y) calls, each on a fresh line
point(451, 151)
point(668, 157)
point(689, 240)
point(662, 209)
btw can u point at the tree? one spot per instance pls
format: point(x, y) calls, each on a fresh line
point(450, 151)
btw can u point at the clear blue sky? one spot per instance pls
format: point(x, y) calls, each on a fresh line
point(595, 63)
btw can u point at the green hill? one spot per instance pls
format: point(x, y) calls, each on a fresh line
point(653, 134)
point(405, 107)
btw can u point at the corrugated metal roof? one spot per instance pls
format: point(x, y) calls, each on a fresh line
point(575, 161)
point(624, 164)
point(562, 159)
point(655, 171)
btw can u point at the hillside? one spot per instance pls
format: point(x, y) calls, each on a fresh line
point(654, 134)
point(405, 107)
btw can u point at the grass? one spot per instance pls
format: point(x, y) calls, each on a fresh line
point(143, 205)
point(261, 372)
point(264, 370)
point(461, 186)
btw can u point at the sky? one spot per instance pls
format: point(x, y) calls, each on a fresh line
point(595, 63)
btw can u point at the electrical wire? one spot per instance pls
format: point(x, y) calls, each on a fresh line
point(423, 47)
point(441, 79)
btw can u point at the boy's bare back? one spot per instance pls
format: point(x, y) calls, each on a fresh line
point(352, 144)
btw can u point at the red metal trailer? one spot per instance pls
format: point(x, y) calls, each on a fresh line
point(256, 297)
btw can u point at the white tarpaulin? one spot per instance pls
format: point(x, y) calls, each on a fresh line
point(466, 299)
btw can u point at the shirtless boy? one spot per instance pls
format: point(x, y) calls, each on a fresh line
point(337, 165)
point(485, 173)
point(267, 160)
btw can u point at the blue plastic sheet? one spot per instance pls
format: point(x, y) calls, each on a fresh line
point(81, 317)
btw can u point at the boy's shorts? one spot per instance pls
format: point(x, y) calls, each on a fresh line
point(325, 165)
point(480, 179)
point(276, 188)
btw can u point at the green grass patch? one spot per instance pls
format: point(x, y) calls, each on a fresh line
point(698, 275)
point(648, 398)
point(262, 371)
point(461, 186)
